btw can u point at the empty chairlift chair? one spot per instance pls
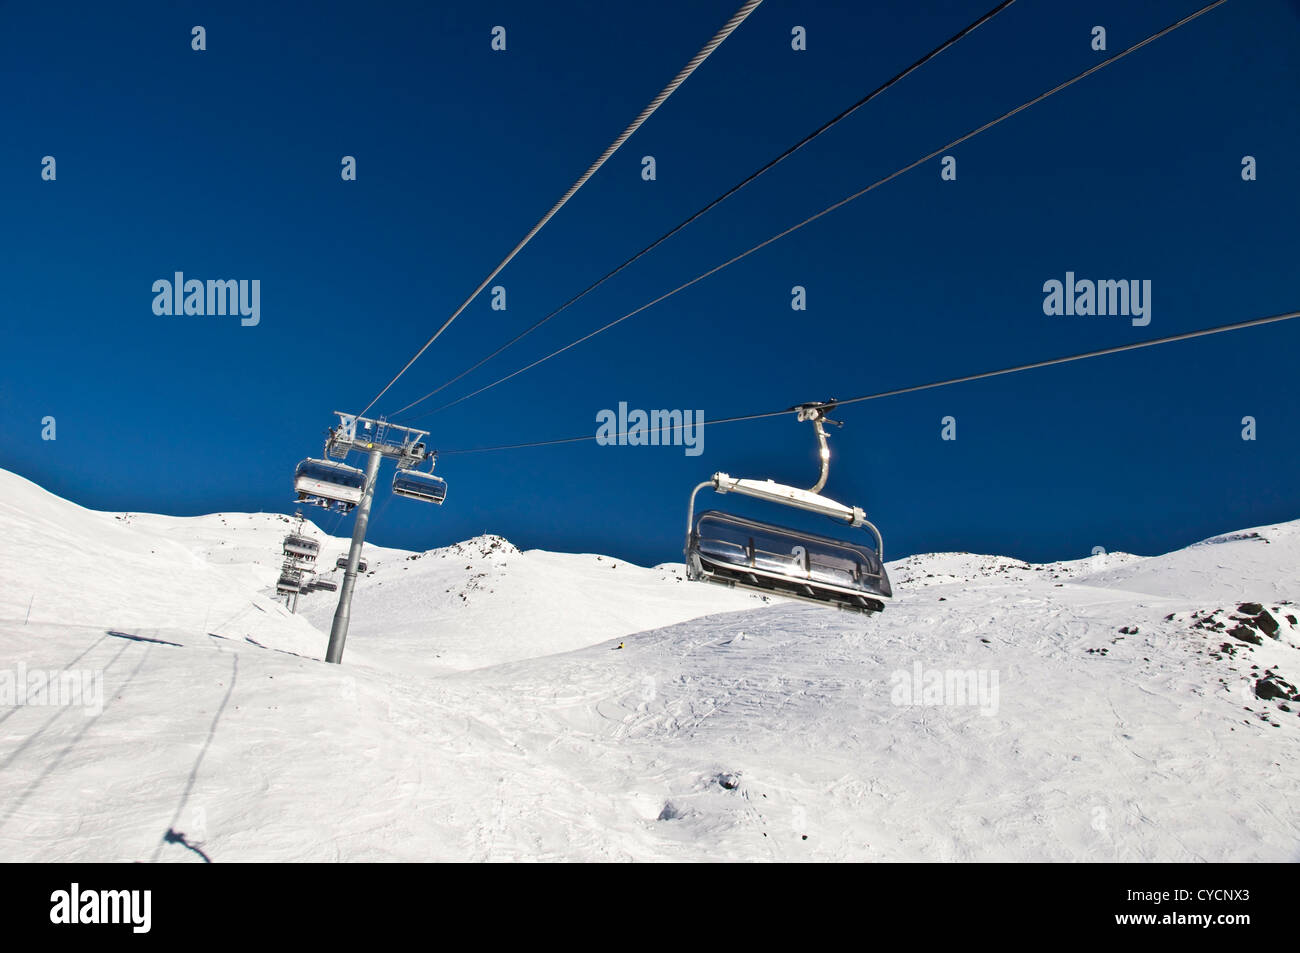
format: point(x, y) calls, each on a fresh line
point(303, 549)
point(290, 581)
point(734, 551)
point(342, 563)
point(326, 483)
point(419, 486)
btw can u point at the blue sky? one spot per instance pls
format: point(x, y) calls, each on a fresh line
point(225, 164)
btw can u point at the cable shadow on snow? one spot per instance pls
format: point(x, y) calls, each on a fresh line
point(90, 722)
point(13, 755)
point(141, 638)
point(252, 641)
point(5, 717)
point(173, 836)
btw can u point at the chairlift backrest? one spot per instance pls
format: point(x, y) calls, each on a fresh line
point(748, 554)
point(419, 486)
point(734, 551)
point(301, 546)
point(326, 480)
point(764, 547)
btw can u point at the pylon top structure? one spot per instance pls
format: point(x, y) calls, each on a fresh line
point(403, 444)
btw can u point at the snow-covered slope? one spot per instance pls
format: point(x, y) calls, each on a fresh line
point(1115, 708)
point(1269, 556)
point(483, 601)
point(466, 605)
point(65, 564)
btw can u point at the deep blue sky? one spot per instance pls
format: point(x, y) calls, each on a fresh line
point(225, 164)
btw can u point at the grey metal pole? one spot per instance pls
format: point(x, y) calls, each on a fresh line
point(339, 631)
point(294, 608)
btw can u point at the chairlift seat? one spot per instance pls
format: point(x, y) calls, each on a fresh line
point(733, 551)
point(295, 545)
point(323, 482)
point(419, 486)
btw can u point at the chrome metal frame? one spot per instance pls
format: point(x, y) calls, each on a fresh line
point(810, 500)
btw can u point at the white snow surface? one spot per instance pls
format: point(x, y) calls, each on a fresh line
point(484, 710)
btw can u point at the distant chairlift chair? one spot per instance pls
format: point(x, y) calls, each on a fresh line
point(744, 553)
point(301, 550)
point(295, 545)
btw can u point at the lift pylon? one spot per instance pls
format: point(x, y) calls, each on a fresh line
point(377, 438)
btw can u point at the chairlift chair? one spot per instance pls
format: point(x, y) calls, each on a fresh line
point(326, 483)
point(416, 485)
point(289, 581)
point(744, 553)
point(325, 585)
point(302, 546)
point(342, 563)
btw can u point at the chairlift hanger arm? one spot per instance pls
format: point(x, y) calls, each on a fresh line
point(817, 414)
